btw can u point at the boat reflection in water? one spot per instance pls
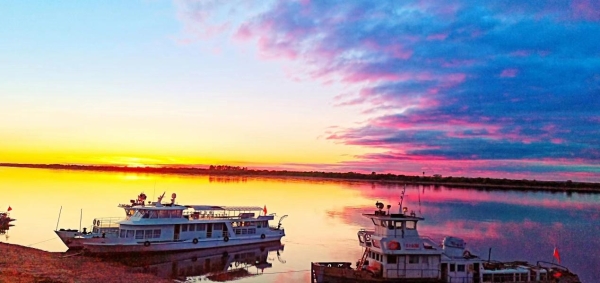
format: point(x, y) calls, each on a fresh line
point(218, 264)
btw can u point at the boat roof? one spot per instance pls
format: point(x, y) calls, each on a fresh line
point(227, 208)
point(392, 216)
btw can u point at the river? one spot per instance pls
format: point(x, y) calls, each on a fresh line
point(323, 217)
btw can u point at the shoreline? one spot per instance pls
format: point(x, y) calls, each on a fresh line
point(26, 264)
point(450, 182)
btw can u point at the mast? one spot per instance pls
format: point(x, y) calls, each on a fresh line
point(401, 199)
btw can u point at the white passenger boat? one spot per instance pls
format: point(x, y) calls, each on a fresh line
point(158, 227)
point(395, 252)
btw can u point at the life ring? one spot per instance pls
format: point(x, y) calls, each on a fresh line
point(146, 244)
point(226, 239)
point(94, 222)
point(393, 245)
point(195, 241)
point(98, 223)
point(262, 236)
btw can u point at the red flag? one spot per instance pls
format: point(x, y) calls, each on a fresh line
point(9, 208)
point(265, 210)
point(556, 255)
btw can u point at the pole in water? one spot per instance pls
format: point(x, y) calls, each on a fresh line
point(80, 216)
point(58, 218)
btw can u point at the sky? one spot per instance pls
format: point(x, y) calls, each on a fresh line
point(499, 89)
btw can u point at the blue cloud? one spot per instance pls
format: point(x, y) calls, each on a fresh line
point(507, 80)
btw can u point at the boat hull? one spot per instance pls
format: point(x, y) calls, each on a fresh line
point(341, 272)
point(108, 247)
point(74, 240)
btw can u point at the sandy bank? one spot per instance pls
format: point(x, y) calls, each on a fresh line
point(23, 264)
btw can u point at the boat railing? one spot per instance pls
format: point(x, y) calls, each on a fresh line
point(465, 279)
point(414, 273)
point(107, 222)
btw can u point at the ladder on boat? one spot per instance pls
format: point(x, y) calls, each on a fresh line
point(363, 259)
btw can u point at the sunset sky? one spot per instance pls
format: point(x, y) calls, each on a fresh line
point(502, 89)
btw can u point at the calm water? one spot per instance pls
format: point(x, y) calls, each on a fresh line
point(324, 217)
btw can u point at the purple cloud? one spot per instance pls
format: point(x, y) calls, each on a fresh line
point(506, 82)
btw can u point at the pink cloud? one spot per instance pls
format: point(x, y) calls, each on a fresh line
point(437, 36)
point(509, 73)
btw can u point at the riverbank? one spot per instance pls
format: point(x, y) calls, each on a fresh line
point(25, 265)
point(567, 186)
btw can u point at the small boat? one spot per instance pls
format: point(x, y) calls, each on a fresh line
point(395, 252)
point(157, 227)
point(5, 219)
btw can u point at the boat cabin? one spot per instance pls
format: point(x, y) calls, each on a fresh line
point(394, 248)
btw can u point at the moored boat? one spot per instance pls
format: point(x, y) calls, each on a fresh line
point(395, 252)
point(168, 227)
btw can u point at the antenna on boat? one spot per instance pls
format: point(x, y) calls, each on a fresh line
point(401, 200)
point(420, 214)
point(58, 218)
point(80, 216)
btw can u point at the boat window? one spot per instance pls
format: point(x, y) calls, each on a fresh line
point(392, 258)
point(460, 268)
point(148, 234)
point(399, 224)
point(129, 212)
point(218, 226)
point(156, 233)
point(163, 214)
point(414, 259)
point(130, 233)
point(122, 233)
point(153, 214)
point(411, 225)
point(487, 278)
point(184, 227)
point(452, 267)
point(238, 231)
point(383, 223)
point(139, 234)
point(201, 227)
point(251, 230)
point(145, 213)
point(192, 227)
point(374, 222)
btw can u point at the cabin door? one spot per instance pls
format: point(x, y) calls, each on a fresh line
point(476, 272)
point(209, 227)
point(177, 231)
point(444, 272)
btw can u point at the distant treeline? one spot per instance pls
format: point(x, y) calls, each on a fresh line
point(226, 170)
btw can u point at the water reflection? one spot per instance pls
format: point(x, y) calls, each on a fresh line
point(324, 215)
point(219, 265)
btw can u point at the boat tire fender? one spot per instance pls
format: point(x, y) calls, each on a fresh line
point(226, 239)
point(262, 236)
point(195, 241)
point(146, 244)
